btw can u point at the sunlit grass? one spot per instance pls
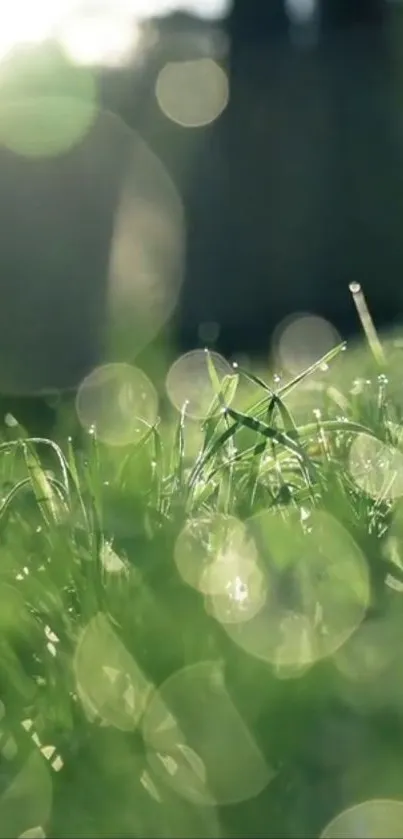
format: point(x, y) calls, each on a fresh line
point(182, 614)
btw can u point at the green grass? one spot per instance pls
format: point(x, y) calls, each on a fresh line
point(206, 723)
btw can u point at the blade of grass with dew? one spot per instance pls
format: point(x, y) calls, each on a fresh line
point(259, 407)
point(335, 426)
point(53, 508)
point(275, 402)
point(224, 398)
point(267, 432)
point(313, 368)
point(215, 381)
point(43, 441)
point(249, 422)
point(24, 484)
point(216, 414)
point(210, 452)
point(367, 324)
point(260, 447)
point(178, 451)
point(274, 434)
point(157, 478)
point(91, 567)
point(290, 429)
point(47, 500)
point(212, 444)
point(73, 470)
point(134, 450)
point(304, 433)
point(22, 436)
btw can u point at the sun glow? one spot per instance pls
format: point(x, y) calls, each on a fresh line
point(98, 31)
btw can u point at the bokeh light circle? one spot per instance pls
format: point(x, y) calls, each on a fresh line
point(317, 591)
point(44, 126)
point(118, 403)
point(47, 106)
point(301, 340)
point(214, 555)
point(188, 382)
point(237, 589)
point(198, 743)
point(110, 685)
point(373, 819)
point(147, 249)
point(377, 468)
point(97, 238)
point(192, 93)
point(28, 799)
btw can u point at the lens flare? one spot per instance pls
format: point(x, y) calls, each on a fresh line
point(118, 403)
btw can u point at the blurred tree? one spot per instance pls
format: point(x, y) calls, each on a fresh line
point(256, 19)
point(345, 13)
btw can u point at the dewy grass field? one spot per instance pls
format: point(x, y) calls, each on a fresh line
point(200, 632)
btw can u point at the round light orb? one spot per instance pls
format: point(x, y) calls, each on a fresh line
point(301, 340)
point(192, 93)
point(47, 106)
point(370, 820)
point(376, 468)
point(317, 591)
point(198, 743)
point(189, 384)
point(117, 403)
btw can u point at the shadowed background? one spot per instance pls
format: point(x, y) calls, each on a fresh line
point(287, 182)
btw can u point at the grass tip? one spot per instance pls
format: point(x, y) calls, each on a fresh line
point(355, 288)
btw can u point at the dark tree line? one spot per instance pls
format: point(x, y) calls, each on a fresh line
point(254, 18)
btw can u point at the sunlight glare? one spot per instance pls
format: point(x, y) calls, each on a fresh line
point(103, 31)
point(28, 21)
point(105, 34)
